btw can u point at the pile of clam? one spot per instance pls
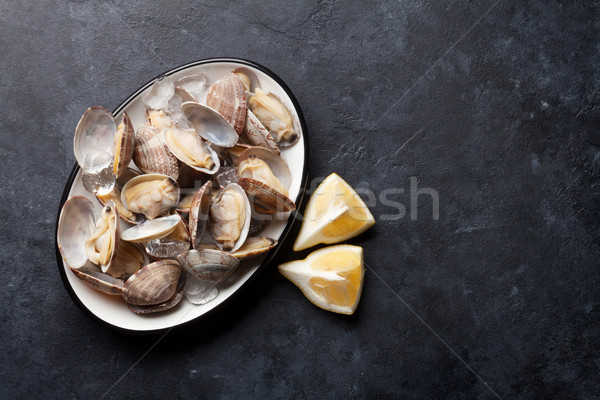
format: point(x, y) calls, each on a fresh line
point(193, 189)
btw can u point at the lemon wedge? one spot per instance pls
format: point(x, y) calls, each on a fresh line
point(331, 278)
point(334, 213)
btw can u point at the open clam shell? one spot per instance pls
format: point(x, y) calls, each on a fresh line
point(210, 124)
point(99, 281)
point(75, 224)
point(103, 243)
point(248, 78)
point(171, 245)
point(152, 229)
point(128, 259)
point(95, 132)
point(256, 134)
point(230, 216)
point(274, 116)
point(151, 155)
point(199, 211)
point(228, 97)
point(150, 194)
point(265, 197)
point(184, 95)
point(187, 146)
point(123, 146)
point(154, 284)
point(208, 266)
point(115, 196)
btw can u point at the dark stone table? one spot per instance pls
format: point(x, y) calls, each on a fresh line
point(492, 106)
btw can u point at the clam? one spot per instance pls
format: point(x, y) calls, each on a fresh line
point(256, 134)
point(188, 147)
point(266, 178)
point(151, 155)
point(123, 146)
point(227, 96)
point(95, 132)
point(269, 109)
point(103, 243)
point(156, 283)
point(160, 119)
point(151, 194)
point(210, 124)
point(230, 216)
point(115, 196)
point(127, 261)
point(198, 216)
point(172, 302)
point(153, 229)
point(184, 95)
point(248, 78)
point(208, 266)
point(99, 281)
point(75, 224)
point(252, 247)
point(171, 245)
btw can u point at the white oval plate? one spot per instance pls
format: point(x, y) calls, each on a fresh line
point(112, 310)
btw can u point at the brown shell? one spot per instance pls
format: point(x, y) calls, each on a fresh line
point(125, 144)
point(228, 97)
point(167, 305)
point(153, 284)
point(151, 155)
point(99, 281)
point(264, 198)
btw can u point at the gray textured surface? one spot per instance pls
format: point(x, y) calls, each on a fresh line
point(503, 115)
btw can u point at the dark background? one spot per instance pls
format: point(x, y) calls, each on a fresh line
point(493, 105)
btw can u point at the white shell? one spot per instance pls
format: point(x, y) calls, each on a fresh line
point(75, 224)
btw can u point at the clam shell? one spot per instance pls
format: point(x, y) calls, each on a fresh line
point(157, 201)
point(246, 223)
point(256, 134)
point(99, 281)
point(208, 266)
point(123, 146)
point(265, 198)
point(128, 259)
point(154, 284)
point(170, 138)
point(198, 216)
point(248, 78)
point(75, 224)
point(227, 96)
point(210, 124)
point(95, 131)
point(252, 247)
point(167, 305)
point(274, 116)
point(151, 155)
point(115, 195)
point(110, 216)
point(152, 229)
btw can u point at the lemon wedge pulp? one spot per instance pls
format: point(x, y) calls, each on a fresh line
point(334, 213)
point(331, 278)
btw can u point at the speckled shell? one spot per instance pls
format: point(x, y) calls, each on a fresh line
point(256, 134)
point(228, 97)
point(151, 155)
point(154, 284)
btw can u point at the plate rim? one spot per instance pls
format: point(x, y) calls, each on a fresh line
point(270, 255)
